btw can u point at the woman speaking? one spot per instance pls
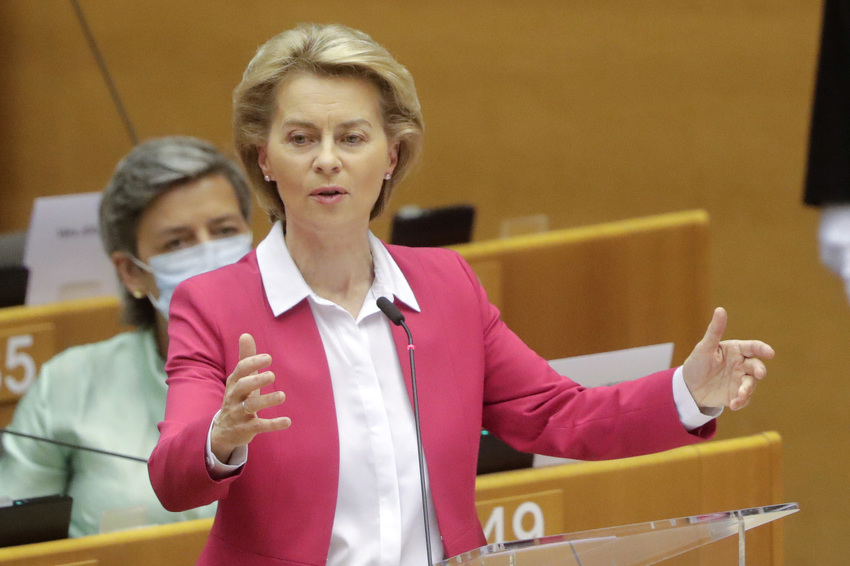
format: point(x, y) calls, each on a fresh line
point(289, 391)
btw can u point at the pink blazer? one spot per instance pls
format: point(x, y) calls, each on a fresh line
point(472, 372)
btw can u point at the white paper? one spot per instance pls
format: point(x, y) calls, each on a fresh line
point(64, 253)
point(609, 368)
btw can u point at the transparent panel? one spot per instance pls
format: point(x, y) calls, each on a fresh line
point(630, 545)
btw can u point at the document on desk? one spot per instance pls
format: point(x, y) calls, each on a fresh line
point(63, 251)
point(609, 368)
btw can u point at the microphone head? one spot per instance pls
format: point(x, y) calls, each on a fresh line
point(390, 311)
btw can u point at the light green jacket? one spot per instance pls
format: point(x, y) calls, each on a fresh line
point(109, 395)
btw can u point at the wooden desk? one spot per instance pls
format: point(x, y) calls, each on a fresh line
point(602, 287)
point(710, 477)
point(704, 478)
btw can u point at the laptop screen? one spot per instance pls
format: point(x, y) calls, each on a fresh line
point(13, 285)
point(36, 519)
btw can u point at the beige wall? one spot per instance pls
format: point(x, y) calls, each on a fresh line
point(587, 111)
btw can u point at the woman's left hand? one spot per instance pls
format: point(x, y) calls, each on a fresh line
point(724, 374)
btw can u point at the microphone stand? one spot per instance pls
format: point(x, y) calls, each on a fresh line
point(391, 311)
point(74, 446)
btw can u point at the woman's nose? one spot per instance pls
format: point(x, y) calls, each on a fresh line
point(203, 236)
point(327, 161)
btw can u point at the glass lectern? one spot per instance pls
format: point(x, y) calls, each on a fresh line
point(631, 545)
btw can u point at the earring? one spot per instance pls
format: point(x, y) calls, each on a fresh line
point(388, 176)
point(268, 179)
point(138, 294)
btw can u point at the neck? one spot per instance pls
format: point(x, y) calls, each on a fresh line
point(337, 268)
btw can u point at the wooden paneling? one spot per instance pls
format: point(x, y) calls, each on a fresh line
point(570, 498)
point(603, 287)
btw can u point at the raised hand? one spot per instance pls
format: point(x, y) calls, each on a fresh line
point(238, 423)
point(724, 374)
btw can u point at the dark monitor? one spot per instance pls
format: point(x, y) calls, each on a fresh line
point(37, 519)
point(13, 285)
point(496, 456)
point(433, 227)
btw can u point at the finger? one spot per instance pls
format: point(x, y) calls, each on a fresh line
point(241, 389)
point(755, 368)
point(249, 361)
point(747, 387)
point(255, 404)
point(248, 367)
point(269, 425)
point(738, 404)
point(250, 385)
point(225, 437)
point(715, 330)
point(755, 349)
point(247, 346)
point(745, 391)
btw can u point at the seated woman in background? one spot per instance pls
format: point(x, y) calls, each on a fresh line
point(175, 207)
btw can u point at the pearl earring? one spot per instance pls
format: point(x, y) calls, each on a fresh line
point(138, 294)
point(268, 179)
point(388, 176)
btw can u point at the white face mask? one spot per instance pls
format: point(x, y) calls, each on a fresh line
point(172, 268)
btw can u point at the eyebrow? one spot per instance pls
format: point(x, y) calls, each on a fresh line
point(310, 125)
point(183, 228)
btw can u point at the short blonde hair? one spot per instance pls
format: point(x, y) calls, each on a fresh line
point(331, 50)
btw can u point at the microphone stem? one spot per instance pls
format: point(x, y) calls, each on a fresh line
point(74, 446)
point(419, 444)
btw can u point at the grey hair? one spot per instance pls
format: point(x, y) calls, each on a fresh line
point(148, 171)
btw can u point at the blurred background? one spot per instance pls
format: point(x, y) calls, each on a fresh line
point(585, 111)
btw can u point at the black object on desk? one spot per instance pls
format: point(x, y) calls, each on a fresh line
point(36, 519)
point(13, 285)
point(494, 455)
point(433, 227)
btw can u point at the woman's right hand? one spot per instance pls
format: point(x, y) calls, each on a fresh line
point(238, 423)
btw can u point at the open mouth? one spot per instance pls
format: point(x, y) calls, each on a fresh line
point(328, 192)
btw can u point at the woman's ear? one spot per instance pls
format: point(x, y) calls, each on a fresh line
point(134, 278)
point(393, 156)
point(263, 160)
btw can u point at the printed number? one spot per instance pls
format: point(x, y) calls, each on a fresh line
point(495, 525)
point(16, 358)
point(536, 530)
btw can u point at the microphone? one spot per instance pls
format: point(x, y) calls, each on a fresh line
point(394, 315)
point(74, 446)
point(391, 311)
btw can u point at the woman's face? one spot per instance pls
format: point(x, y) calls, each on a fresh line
point(196, 212)
point(328, 152)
